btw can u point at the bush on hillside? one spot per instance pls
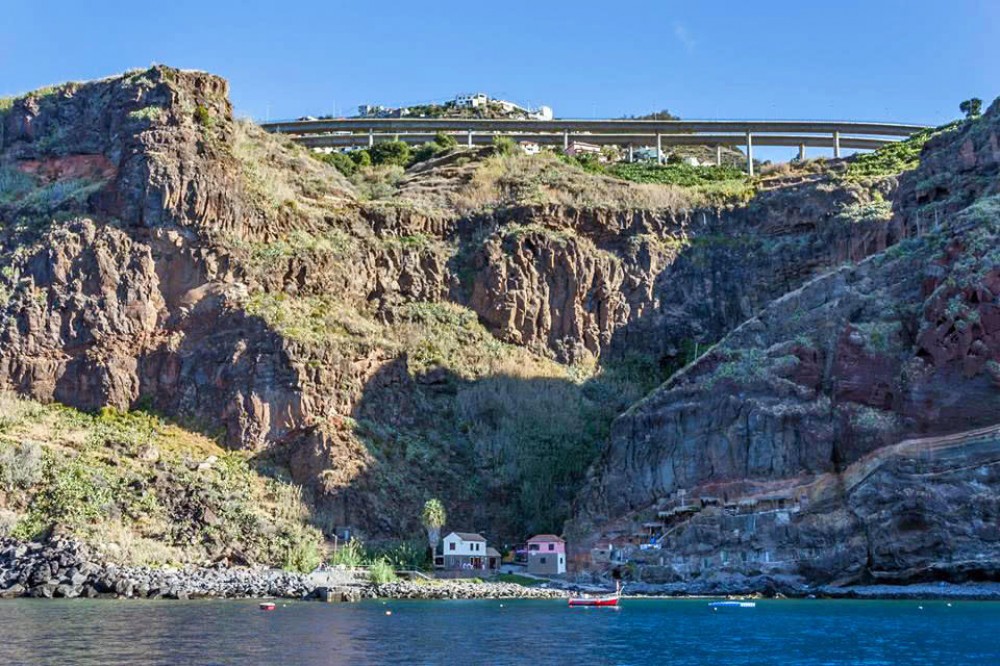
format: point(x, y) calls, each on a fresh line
point(893, 158)
point(390, 152)
point(426, 152)
point(445, 140)
point(20, 466)
point(340, 161)
point(361, 157)
point(504, 145)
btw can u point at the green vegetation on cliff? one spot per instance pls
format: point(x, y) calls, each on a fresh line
point(142, 491)
point(893, 158)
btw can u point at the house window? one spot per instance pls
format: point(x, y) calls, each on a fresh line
point(541, 560)
point(451, 546)
point(533, 546)
point(552, 546)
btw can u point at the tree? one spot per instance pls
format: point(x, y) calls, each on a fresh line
point(390, 152)
point(433, 518)
point(445, 140)
point(361, 157)
point(972, 108)
point(425, 152)
point(340, 161)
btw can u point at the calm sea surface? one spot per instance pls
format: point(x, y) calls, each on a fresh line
point(486, 632)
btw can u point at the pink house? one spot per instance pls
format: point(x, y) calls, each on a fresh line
point(546, 555)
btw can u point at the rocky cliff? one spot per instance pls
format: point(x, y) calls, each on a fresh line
point(776, 451)
point(481, 328)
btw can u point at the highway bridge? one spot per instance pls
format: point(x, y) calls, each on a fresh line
point(346, 132)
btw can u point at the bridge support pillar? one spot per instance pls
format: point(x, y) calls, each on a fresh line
point(371, 138)
point(802, 152)
point(631, 155)
point(749, 153)
point(836, 144)
point(659, 148)
point(565, 140)
point(470, 138)
point(718, 155)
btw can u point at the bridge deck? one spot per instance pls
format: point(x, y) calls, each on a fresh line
point(345, 132)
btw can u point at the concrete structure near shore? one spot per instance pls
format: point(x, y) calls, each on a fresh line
point(835, 135)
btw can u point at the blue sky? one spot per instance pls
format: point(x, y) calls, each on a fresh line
point(878, 60)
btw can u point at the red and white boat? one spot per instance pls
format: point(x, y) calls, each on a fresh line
point(606, 600)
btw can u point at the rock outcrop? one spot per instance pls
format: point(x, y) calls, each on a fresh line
point(65, 569)
point(154, 252)
point(763, 440)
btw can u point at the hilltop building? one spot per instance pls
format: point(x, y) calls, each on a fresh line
point(473, 101)
point(479, 104)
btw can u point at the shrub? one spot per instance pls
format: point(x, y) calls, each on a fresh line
point(381, 571)
point(425, 152)
point(350, 554)
point(8, 521)
point(893, 158)
point(202, 116)
point(445, 140)
point(151, 113)
point(340, 161)
point(361, 157)
point(390, 153)
point(504, 145)
point(20, 466)
point(13, 183)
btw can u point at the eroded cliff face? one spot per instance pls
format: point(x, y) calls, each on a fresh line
point(750, 460)
point(155, 253)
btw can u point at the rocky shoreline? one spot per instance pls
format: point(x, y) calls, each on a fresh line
point(63, 568)
point(460, 590)
point(789, 588)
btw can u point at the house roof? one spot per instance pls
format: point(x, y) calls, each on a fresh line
point(469, 536)
point(493, 552)
point(546, 538)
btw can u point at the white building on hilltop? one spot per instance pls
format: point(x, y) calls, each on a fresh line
point(473, 101)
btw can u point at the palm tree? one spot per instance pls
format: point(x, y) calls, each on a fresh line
point(433, 518)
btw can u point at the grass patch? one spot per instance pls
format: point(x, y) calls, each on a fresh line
point(152, 114)
point(894, 158)
point(516, 580)
point(142, 491)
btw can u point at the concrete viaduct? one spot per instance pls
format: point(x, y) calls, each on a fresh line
point(345, 132)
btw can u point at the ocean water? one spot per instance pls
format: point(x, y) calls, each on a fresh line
point(494, 632)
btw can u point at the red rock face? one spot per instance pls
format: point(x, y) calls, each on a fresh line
point(821, 384)
point(136, 299)
point(92, 167)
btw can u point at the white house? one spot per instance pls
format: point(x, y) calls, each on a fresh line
point(464, 550)
point(583, 148)
point(530, 147)
point(473, 101)
point(542, 113)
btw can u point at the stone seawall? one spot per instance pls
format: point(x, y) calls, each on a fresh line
point(63, 569)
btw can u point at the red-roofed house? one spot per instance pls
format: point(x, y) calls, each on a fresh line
point(546, 555)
